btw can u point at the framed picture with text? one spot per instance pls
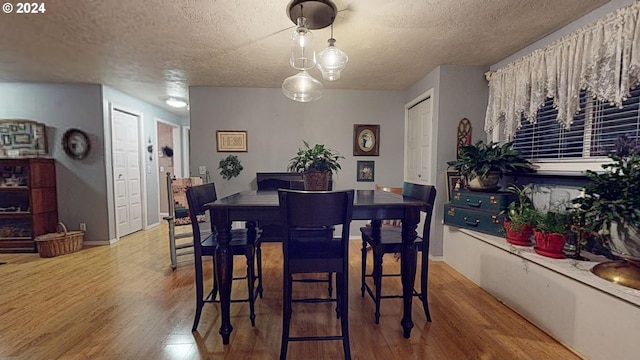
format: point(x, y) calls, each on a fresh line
point(366, 140)
point(231, 141)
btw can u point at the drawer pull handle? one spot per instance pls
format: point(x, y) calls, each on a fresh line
point(471, 223)
point(478, 204)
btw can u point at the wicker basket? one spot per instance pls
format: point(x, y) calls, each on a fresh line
point(59, 243)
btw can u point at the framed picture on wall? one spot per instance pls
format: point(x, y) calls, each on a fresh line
point(231, 141)
point(366, 171)
point(366, 140)
point(455, 182)
point(22, 137)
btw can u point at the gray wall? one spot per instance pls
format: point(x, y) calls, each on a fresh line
point(276, 127)
point(81, 184)
point(458, 92)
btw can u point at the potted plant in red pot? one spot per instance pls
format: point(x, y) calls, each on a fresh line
point(551, 233)
point(521, 216)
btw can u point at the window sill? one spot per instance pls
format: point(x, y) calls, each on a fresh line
point(577, 270)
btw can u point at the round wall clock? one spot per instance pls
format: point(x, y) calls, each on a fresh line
point(76, 144)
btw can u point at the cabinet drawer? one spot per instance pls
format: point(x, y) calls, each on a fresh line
point(489, 201)
point(486, 222)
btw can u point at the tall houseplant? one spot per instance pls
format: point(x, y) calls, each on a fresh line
point(316, 164)
point(483, 164)
point(611, 204)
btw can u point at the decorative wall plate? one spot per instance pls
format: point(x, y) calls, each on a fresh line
point(76, 144)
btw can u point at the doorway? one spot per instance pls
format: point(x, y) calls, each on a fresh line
point(418, 140)
point(127, 175)
point(169, 159)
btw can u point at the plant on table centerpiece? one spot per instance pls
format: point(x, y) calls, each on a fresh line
point(611, 205)
point(522, 216)
point(230, 167)
point(484, 164)
point(316, 164)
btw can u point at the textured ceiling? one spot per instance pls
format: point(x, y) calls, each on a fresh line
point(155, 48)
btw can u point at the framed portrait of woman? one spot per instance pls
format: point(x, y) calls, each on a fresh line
point(366, 140)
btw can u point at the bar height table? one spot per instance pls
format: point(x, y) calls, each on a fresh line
point(262, 206)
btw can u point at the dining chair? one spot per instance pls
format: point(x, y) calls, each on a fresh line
point(390, 241)
point(273, 232)
point(204, 245)
point(309, 219)
point(180, 242)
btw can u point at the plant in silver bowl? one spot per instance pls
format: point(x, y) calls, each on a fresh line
point(611, 204)
point(483, 164)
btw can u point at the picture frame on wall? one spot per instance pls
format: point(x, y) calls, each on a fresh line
point(22, 137)
point(455, 182)
point(231, 141)
point(366, 140)
point(365, 171)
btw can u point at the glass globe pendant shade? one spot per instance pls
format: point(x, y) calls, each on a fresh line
point(303, 56)
point(302, 87)
point(331, 61)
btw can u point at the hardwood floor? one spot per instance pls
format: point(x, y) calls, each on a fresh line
point(125, 302)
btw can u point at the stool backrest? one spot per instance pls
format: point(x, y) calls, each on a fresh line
point(311, 216)
point(426, 193)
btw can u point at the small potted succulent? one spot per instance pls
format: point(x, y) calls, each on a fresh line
point(316, 164)
point(484, 164)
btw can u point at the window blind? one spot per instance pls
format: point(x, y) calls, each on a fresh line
point(592, 134)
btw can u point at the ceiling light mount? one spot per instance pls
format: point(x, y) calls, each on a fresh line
point(319, 13)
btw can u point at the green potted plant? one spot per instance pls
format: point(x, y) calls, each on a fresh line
point(316, 164)
point(550, 233)
point(611, 204)
point(484, 164)
point(521, 216)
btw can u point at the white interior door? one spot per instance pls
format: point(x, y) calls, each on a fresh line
point(419, 139)
point(126, 172)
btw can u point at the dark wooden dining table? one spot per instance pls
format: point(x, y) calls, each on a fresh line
point(262, 207)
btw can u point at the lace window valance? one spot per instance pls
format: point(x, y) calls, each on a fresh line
point(603, 58)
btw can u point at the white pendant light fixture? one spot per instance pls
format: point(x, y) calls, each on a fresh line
point(331, 61)
point(302, 87)
point(303, 55)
